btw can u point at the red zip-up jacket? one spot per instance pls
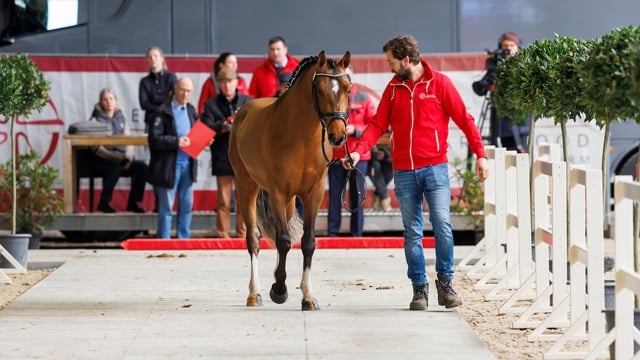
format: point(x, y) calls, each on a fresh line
point(264, 82)
point(418, 114)
point(361, 110)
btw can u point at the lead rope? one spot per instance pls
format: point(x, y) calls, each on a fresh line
point(362, 194)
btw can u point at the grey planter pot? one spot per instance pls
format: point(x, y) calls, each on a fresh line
point(34, 241)
point(18, 246)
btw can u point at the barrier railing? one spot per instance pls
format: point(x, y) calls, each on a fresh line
point(527, 288)
point(627, 288)
point(484, 256)
point(516, 264)
point(586, 251)
point(17, 267)
point(550, 237)
point(565, 232)
point(489, 247)
point(479, 251)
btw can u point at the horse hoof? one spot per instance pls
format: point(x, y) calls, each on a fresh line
point(254, 301)
point(278, 298)
point(310, 305)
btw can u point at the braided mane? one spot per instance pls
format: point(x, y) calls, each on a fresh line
point(309, 60)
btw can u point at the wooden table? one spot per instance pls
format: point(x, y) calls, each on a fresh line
point(69, 145)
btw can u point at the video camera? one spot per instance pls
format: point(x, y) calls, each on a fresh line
point(482, 86)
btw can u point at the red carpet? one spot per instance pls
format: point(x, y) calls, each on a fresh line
point(239, 243)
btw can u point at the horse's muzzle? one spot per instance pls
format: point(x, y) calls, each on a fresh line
point(337, 140)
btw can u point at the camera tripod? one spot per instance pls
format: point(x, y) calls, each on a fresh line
point(487, 112)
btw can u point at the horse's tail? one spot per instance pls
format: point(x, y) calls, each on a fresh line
point(266, 225)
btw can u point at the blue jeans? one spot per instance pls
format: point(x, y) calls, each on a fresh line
point(166, 197)
point(410, 186)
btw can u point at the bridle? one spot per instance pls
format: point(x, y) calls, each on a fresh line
point(325, 116)
point(344, 116)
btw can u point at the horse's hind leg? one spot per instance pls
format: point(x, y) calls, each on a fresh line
point(247, 194)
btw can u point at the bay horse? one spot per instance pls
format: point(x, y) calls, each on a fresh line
point(284, 146)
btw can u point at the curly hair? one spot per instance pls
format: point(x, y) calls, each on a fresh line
point(403, 45)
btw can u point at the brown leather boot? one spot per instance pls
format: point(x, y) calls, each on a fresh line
point(420, 299)
point(446, 295)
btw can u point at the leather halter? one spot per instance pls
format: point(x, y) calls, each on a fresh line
point(325, 116)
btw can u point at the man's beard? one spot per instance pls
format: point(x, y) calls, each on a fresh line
point(403, 74)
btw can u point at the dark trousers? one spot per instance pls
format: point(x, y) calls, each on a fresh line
point(111, 172)
point(337, 178)
point(510, 143)
point(381, 173)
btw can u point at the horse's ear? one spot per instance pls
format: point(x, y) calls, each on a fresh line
point(322, 59)
point(346, 59)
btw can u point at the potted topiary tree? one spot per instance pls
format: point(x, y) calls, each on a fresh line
point(633, 94)
point(469, 202)
point(23, 89)
point(606, 81)
point(38, 203)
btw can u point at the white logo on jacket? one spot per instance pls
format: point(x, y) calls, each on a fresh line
point(424, 96)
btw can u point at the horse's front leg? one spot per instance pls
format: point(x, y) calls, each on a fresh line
point(308, 247)
point(281, 209)
point(279, 293)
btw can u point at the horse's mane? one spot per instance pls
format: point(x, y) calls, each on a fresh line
point(309, 60)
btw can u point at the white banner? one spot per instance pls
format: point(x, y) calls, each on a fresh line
point(76, 82)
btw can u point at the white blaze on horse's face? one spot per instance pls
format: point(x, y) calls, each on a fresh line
point(335, 86)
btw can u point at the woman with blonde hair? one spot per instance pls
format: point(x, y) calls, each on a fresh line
point(155, 88)
point(113, 162)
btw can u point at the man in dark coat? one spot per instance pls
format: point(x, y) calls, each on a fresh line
point(172, 170)
point(218, 114)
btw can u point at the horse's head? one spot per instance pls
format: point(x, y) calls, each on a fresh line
point(331, 86)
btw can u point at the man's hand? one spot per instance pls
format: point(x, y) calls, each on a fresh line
point(482, 169)
point(350, 165)
point(350, 130)
point(125, 163)
point(184, 141)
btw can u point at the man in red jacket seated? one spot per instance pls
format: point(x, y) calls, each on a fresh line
point(264, 82)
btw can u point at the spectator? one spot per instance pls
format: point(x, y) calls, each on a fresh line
point(283, 83)
point(512, 136)
point(361, 110)
point(264, 82)
point(381, 173)
point(155, 88)
point(209, 88)
point(218, 114)
point(417, 104)
point(170, 168)
point(112, 162)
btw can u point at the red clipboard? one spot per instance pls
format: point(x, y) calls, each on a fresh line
point(200, 136)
